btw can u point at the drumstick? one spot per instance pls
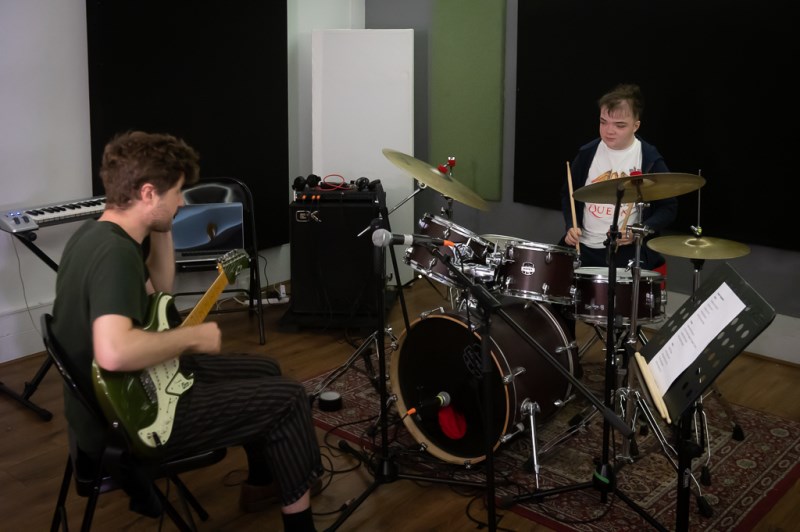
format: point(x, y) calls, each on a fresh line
point(625, 221)
point(572, 205)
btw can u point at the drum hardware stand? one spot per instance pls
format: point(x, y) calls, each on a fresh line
point(489, 305)
point(488, 302)
point(700, 421)
point(631, 401)
point(531, 408)
point(386, 470)
point(603, 479)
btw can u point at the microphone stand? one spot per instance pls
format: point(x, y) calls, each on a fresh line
point(386, 469)
point(363, 350)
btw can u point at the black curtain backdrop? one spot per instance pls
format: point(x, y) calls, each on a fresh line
point(213, 73)
point(717, 101)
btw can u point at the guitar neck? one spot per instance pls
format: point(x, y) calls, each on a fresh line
point(207, 302)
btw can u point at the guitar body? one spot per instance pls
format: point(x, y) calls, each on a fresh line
point(145, 401)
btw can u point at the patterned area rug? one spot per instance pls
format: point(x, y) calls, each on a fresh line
point(742, 481)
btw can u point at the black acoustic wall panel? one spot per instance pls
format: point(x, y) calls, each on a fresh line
point(213, 73)
point(717, 100)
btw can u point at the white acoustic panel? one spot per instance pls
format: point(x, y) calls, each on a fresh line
point(362, 86)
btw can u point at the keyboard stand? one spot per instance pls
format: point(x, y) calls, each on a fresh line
point(27, 238)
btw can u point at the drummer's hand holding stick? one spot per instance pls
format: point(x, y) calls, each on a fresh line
point(574, 233)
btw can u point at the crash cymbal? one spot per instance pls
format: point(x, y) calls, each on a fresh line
point(432, 177)
point(704, 247)
point(643, 187)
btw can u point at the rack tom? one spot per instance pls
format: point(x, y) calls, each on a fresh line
point(539, 272)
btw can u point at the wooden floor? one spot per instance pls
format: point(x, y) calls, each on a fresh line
point(33, 451)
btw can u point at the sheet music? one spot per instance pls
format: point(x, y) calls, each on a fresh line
point(716, 312)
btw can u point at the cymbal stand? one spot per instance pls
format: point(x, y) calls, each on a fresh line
point(632, 400)
point(700, 421)
point(603, 478)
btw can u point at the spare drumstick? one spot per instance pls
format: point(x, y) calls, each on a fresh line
point(572, 205)
point(629, 206)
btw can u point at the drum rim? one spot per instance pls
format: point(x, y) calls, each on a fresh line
point(417, 433)
point(541, 246)
point(470, 235)
point(501, 362)
point(650, 274)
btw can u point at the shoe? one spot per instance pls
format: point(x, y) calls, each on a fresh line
point(254, 498)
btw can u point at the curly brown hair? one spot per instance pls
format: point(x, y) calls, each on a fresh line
point(134, 158)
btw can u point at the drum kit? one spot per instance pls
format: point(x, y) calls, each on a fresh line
point(534, 356)
point(540, 286)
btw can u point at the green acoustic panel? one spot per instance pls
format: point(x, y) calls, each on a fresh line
point(466, 96)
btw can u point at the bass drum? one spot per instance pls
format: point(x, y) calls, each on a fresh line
point(442, 353)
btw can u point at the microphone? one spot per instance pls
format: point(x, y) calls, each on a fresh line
point(441, 400)
point(382, 238)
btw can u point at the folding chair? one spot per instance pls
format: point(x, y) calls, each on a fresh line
point(116, 467)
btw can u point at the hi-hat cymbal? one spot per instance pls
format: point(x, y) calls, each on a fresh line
point(704, 247)
point(642, 187)
point(432, 177)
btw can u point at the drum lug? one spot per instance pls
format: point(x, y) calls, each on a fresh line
point(559, 403)
point(519, 370)
point(520, 428)
point(548, 259)
point(572, 345)
point(545, 288)
point(424, 314)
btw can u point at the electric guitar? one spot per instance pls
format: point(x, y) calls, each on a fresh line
point(145, 401)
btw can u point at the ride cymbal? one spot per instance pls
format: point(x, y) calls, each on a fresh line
point(703, 247)
point(432, 177)
point(642, 187)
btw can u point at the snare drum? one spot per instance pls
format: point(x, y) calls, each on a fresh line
point(469, 253)
point(590, 294)
point(540, 272)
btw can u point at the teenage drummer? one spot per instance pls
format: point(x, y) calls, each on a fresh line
point(617, 153)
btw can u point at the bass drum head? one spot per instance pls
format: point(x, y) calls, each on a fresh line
point(442, 353)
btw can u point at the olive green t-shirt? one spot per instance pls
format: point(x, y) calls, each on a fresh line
point(101, 272)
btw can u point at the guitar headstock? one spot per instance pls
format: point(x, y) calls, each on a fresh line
point(232, 262)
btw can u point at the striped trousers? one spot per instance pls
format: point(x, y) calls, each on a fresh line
point(240, 399)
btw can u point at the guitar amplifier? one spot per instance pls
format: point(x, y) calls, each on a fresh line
point(334, 283)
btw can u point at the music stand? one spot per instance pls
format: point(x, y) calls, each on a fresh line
point(679, 341)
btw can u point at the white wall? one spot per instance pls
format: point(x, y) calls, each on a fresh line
point(44, 148)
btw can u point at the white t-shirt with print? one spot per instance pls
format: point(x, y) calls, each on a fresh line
point(607, 164)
